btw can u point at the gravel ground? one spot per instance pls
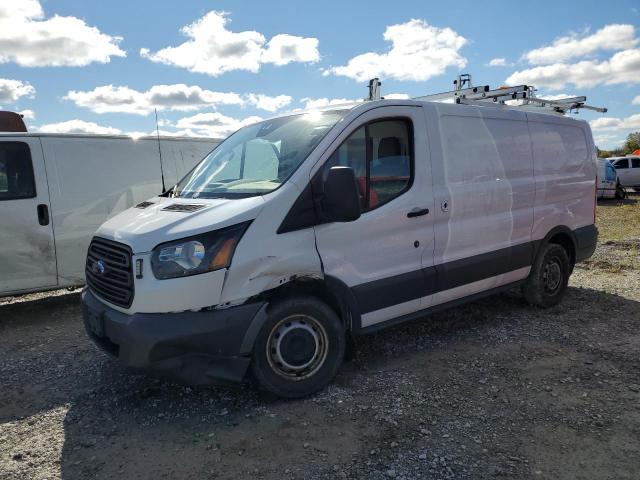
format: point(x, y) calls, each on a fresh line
point(492, 389)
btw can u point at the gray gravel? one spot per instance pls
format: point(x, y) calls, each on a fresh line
point(493, 389)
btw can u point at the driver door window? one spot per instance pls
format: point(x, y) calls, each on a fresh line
point(380, 154)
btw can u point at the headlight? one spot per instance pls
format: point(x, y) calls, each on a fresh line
point(199, 254)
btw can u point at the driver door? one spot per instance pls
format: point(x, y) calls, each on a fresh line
point(380, 255)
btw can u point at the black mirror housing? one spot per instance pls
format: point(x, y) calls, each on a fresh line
point(341, 200)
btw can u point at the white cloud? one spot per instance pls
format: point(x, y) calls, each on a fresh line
point(28, 114)
point(212, 124)
point(396, 96)
point(558, 96)
point(622, 67)
point(608, 141)
point(213, 49)
point(418, 52)
point(552, 69)
point(283, 49)
point(12, 90)
point(313, 103)
point(30, 40)
point(636, 100)
point(610, 37)
point(265, 102)
point(317, 103)
point(181, 97)
point(613, 123)
point(498, 62)
point(78, 126)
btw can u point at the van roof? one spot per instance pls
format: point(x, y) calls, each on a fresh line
point(369, 104)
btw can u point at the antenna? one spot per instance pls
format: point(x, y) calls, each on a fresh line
point(159, 151)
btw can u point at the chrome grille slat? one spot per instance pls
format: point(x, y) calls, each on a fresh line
point(116, 256)
point(115, 284)
point(117, 267)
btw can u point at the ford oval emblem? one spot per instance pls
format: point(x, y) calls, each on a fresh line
point(99, 267)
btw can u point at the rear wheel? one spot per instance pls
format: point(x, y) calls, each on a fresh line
point(549, 277)
point(300, 347)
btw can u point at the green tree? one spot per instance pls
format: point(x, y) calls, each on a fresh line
point(632, 143)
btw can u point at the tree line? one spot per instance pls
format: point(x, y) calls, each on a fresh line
point(631, 144)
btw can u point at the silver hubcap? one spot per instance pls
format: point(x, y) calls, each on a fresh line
point(552, 276)
point(297, 347)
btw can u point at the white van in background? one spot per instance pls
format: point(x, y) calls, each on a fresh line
point(607, 180)
point(302, 231)
point(628, 169)
point(56, 190)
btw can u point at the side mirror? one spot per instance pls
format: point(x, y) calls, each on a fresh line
point(341, 201)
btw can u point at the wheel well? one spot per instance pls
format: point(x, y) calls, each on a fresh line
point(321, 290)
point(566, 242)
point(317, 288)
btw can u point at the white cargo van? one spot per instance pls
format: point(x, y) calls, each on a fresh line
point(55, 190)
point(302, 232)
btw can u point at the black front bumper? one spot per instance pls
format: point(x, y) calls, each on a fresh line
point(195, 348)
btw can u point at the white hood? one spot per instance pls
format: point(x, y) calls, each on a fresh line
point(144, 228)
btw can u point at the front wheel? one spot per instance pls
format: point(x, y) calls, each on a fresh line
point(549, 277)
point(620, 192)
point(299, 348)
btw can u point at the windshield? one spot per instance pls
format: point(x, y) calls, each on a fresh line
point(258, 158)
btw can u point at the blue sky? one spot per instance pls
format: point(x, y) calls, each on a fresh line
point(79, 66)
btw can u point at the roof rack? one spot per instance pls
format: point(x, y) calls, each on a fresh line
point(465, 93)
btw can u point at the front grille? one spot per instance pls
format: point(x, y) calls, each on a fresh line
point(183, 207)
point(108, 271)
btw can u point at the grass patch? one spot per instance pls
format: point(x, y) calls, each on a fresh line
point(619, 220)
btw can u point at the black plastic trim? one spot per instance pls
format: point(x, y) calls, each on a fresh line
point(408, 286)
point(196, 348)
point(468, 270)
point(303, 213)
point(436, 308)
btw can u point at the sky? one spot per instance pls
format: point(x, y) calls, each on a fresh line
point(210, 67)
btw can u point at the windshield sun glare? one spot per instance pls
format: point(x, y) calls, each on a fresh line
point(257, 159)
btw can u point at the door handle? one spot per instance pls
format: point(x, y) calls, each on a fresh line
point(43, 214)
point(417, 212)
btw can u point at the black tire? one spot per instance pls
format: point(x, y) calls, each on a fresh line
point(620, 192)
point(547, 282)
point(299, 348)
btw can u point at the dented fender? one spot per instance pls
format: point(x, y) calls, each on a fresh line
point(264, 273)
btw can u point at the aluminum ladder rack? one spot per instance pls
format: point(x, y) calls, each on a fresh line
point(465, 93)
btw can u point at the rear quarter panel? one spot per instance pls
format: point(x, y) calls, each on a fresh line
point(564, 161)
point(482, 164)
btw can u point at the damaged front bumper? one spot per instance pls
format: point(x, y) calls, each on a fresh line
point(194, 348)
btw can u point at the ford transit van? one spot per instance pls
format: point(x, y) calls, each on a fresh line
point(299, 233)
